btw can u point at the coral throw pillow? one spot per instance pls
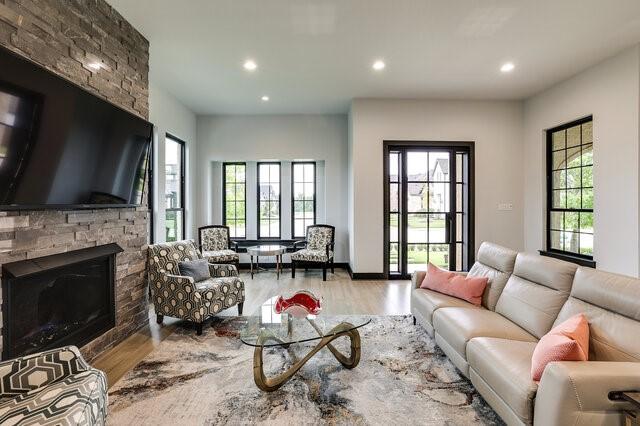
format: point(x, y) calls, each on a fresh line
point(452, 284)
point(568, 341)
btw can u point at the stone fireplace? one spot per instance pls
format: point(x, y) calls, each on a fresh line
point(66, 38)
point(57, 300)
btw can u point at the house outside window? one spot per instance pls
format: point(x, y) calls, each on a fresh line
point(570, 189)
point(269, 200)
point(303, 198)
point(174, 188)
point(234, 199)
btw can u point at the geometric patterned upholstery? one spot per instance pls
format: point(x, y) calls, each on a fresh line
point(55, 387)
point(179, 296)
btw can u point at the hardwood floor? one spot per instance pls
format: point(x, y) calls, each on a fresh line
point(340, 295)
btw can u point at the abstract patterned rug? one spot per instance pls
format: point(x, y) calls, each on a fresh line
point(402, 378)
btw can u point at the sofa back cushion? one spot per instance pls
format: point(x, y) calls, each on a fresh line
point(495, 263)
point(165, 257)
point(536, 291)
point(611, 303)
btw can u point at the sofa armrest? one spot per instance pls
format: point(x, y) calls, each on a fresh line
point(579, 392)
point(416, 278)
point(187, 284)
point(67, 359)
point(218, 270)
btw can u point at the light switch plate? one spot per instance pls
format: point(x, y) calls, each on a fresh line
point(505, 206)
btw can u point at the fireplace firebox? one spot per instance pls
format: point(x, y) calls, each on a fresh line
point(57, 300)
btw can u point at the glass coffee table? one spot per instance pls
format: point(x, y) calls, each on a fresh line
point(266, 328)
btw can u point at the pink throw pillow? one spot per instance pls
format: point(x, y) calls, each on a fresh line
point(568, 341)
point(452, 284)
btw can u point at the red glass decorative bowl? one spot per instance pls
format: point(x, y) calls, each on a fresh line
point(301, 304)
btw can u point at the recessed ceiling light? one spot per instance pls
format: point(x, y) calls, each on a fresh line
point(250, 65)
point(95, 65)
point(378, 65)
point(507, 67)
point(265, 98)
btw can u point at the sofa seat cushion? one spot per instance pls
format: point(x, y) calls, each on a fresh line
point(309, 255)
point(425, 302)
point(78, 399)
point(214, 256)
point(221, 293)
point(459, 325)
point(505, 366)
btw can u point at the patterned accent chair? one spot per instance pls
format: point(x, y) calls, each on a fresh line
point(179, 296)
point(55, 387)
point(215, 243)
point(317, 251)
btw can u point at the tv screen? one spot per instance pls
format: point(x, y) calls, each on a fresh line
point(61, 146)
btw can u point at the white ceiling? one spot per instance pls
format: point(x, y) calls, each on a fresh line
point(315, 56)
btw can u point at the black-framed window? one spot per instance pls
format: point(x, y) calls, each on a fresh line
point(234, 199)
point(174, 188)
point(269, 200)
point(570, 189)
point(303, 197)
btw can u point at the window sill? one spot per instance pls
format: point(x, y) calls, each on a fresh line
point(244, 243)
point(590, 263)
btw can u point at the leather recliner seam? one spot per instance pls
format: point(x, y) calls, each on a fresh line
point(575, 391)
point(613, 347)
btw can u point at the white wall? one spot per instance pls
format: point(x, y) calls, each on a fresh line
point(610, 92)
point(275, 137)
point(496, 128)
point(170, 116)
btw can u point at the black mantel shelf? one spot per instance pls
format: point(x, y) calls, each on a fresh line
point(23, 268)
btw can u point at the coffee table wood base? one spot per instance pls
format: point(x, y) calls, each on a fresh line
point(273, 383)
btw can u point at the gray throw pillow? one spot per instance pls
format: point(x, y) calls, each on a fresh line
point(196, 269)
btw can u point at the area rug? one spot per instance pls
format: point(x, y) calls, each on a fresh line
point(403, 378)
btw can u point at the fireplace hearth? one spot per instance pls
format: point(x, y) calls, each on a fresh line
point(63, 299)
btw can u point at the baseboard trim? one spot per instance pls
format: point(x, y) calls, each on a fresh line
point(337, 265)
point(287, 265)
point(364, 275)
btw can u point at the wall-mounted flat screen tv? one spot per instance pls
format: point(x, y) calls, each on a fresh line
point(62, 147)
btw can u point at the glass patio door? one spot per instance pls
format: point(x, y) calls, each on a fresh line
point(427, 208)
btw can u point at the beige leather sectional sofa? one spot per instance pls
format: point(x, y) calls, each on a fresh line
point(528, 295)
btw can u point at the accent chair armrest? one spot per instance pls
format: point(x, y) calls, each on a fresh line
point(187, 284)
point(580, 392)
point(300, 243)
point(67, 358)
point(219, 270)
point(329, 248)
